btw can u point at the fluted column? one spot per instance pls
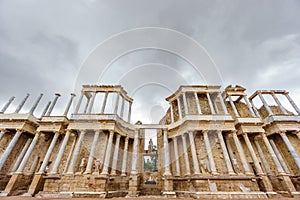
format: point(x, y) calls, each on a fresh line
point(223, 104)
point(108, 153)
point(177, 165)
point(7, 104)
point(179, 108)
point(78, 104)
point(194, 154)
point(290, 148)
point(36, 104)
point(292, 103)
point(265, 104)
point(283, 110)
point(49, 152)
point(249, 106)
point(69, 104)
point(171, 112)
point(166, 154)
point(241, 153)
point(262, 156)
point(185, 105)
point(233, 107)
point(92, 102)
point(124, 161)
point(211, 106)
point(209, 153)
point(197, 103)
point(9, 148)
point(104, 103)
point(22, 104)
point(21, 155)
point(92, 153)
point(116, 155)
point(135, 153)
point(225, 153)
point(60, 153)
point(28, 153)
point(280, 158)
point(53, 104)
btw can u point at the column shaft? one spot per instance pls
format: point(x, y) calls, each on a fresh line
point(21, 155)
point(92, 102)
point(213, 112)
point(265, 104)
point(92, 153)
point(197, 103)
point(108, 153)
point(116, 155)
point(177, 165)
point(225, 153)
point(279, 104)
point(166, 154)
point(117, 103)
point(233, 107)
point(186, 157)
point(129, 112)
point(69, 156)
point(135, 153)
point(46, 108)
point(7, 104)
point(21, 104)
point(171, 112)
point(78, 104)
point(290, 148)
point(241, 153)
point(249, 106)
point(86, 105)
point(194, 154)
point(34, 164)
point(124, 162)
point(122, 108)
point(185, 105)
point(69, 104)
point(104, 103)
point(223, 104)
point(255, 110)
point(36, 104)
point(212, 165)
point(292, 103)
point(76, 152)
point(179, 108)
point(280, 158)
point(53, 104)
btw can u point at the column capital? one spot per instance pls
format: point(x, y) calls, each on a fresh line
point(282, 132)
point(57, 133)
point(3, 131)
point(97, 131)
point(82, 131)
point(19, 131)
point(118, 135)
point(111, 132)
point(126, 138)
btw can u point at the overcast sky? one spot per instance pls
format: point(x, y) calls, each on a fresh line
point(44, 46)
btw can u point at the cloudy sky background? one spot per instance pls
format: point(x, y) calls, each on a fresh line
point(44, 45)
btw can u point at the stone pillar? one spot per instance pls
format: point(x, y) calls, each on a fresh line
point(22, 104)
point(53, 104)
point(69, 155)
point(194, 154)
point(76, 152)
point(197, 103)
point(225, 153)
point(179, 108)
point(265, 104)
point(255, 110)
point(9, 148)
point(279, 104)
point(49, 152)
point(108, 153)
point(249, 106)
point(262, 156)
point(28, 153)
point(171, 112)
point(124, 162)
point(233, 107)
point(290, 148)
point(86, 105)
point(292, 103)
point(280, 158)
point(241, 153)
point(177, 165)
point(135, 153)
point(21, 155)
point(34, 164)
point(117, 104)
point(92, 153)
point(186, 156)
point(223, 104)
point(60, 153)
point(122, 108)
point(185, 105)
point(78, 104)
point(36, 104)
point(116, 155)
point(253, 154)
point(46, 108)
point(92, 102)
point(166, 154)
point(69, 104)
point(129, 112)
point(232, 155)
point(2, 132)
point(211, 106)
point(212, 165)
point(7, 104)
point(104, 103)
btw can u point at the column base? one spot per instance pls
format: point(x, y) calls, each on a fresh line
point(169, 194)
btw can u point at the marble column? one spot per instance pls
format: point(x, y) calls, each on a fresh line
point(28, 153)
point(249, 106)
point(115, 156)
point(185, 105)
point(194, 154)
point(212, 165)
point(236, 113)
point(171, 112)
point(197, 103)
point(129, 112)
point(108, 153)
point(46, 108)
point(177, 165)
point(166, 154)
point(124, 160)
point(135, 153)
point(225, 153)
point(92, 103)
point(290, 148)
point(262, 156)
point(179, 108)
point(60, 153)
point(21, 155)
point(241, 153)
point(69, 155)
point(49, 152)
point(22, 104)
point(122, 108)
point(292, 103)
point(223, 104)
point(211, 106)
point(86, 105)
point(279, 104)
point(265, 104)
point(104, 103)
point(253, 154)
point(69, 104)
point(186, 156)
point(36, 104)
point(76, 152)
point(255, 110)
point(117, 103)
point(280, 158)
point(89, 166)
point(9, 148)
point(78, 104)
point(7, 104)
point(34, 164)
point(53, 104)
point(2, 132)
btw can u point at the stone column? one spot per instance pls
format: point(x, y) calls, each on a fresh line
point(36, 104)
point(78, 104)
point(76, 152)
point(69, 155)
point(129, 112)
point(92, 153)
point(122, 108)
point(117, 104)
point(211, 106)
point(177, 165)
point(7, 104)
point(197, 103)
point(290, 148)
point(124, 162)
point(116, 155)
point(280, 158)
point(92, 102)
point(255, 110)
point(265, 104)
point(212, 165)
point(223, 104)
point(262, 156)
point(9, 148)
point(104, 103)
point(2, 132)
point(171, 112)
point(53, 104)
point(233, 107)
point(69, 104)
point(179, 108)
point(241, 153)
point(34, 164)
point(108, 153)
point(49, 152)
point(249, 106)
point(194, 154)
point(86, 105)
point(279, 104)
point(253, 154)
point(28, 153)
point(225, 153)
point(185, 105)
point(21, 155)
point(46, 108)
point(186, 157)
point(135, 153)
point(292, 103)
point(166, 154)
point(60, 153)
point(21, 104)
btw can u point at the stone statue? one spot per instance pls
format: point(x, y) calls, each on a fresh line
point(97, 165)
point(150, 146)
point(82, 165)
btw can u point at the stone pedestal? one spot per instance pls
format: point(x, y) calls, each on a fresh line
point(13, 184)
point(168, 187)
point(36, 184)
point(133, 190)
